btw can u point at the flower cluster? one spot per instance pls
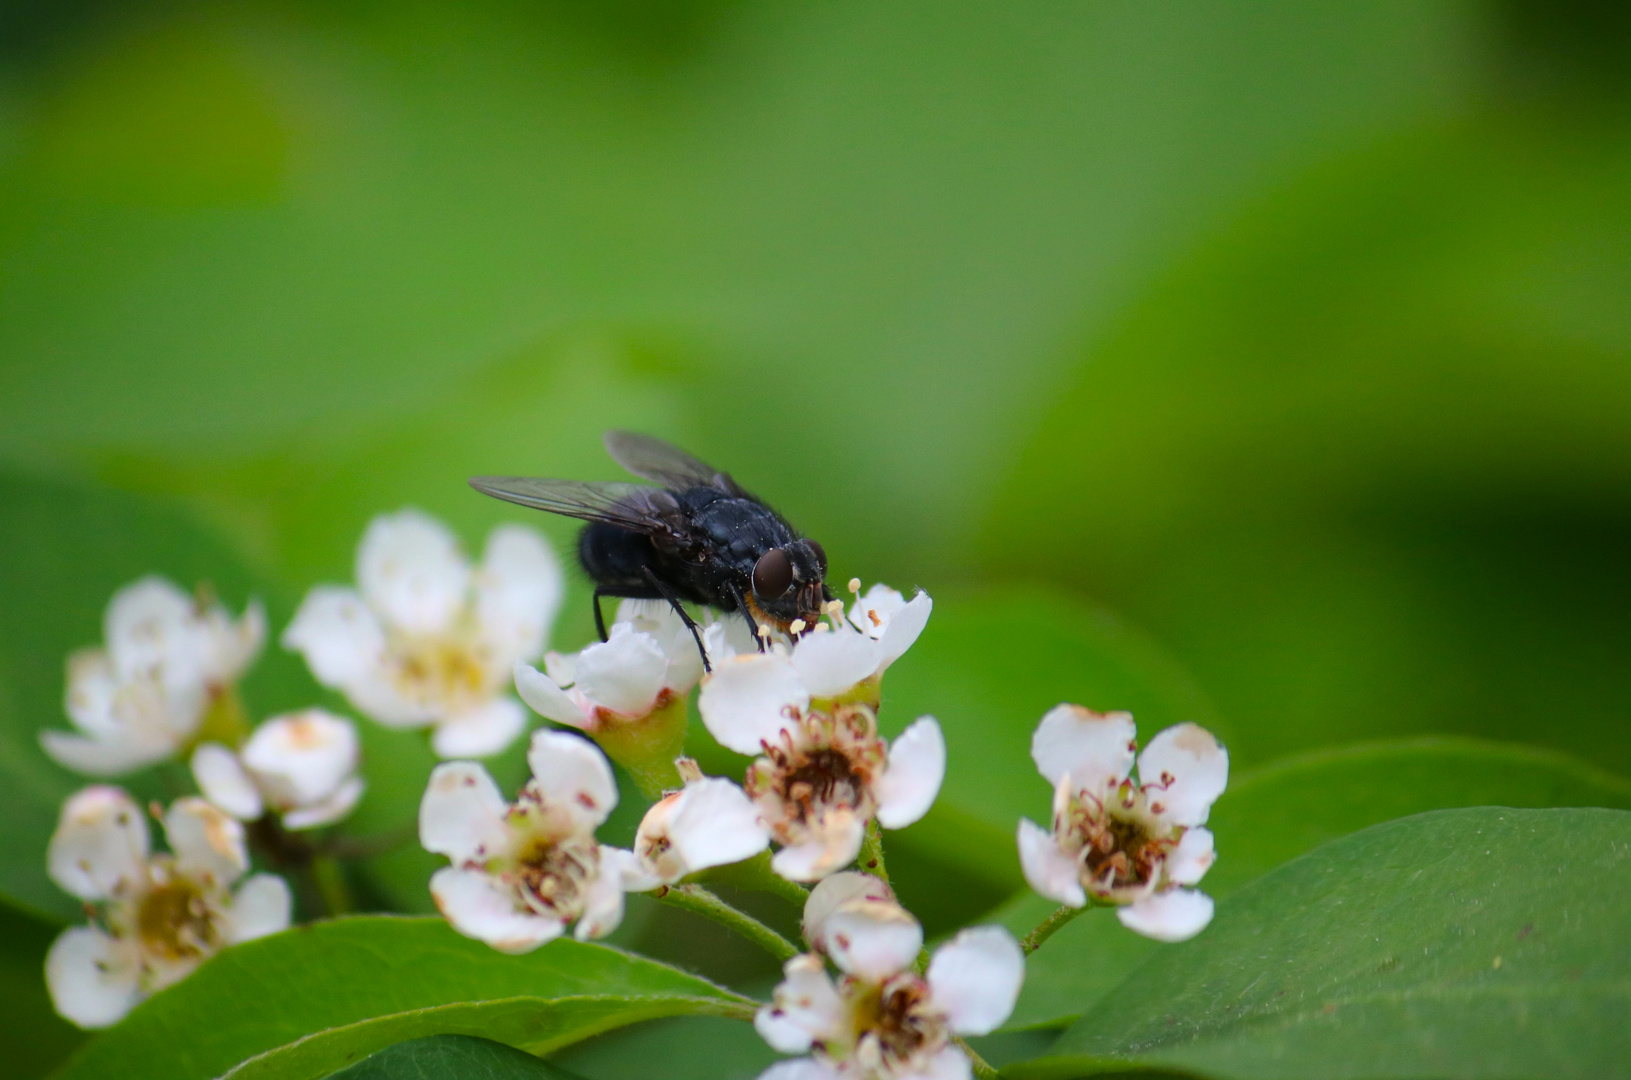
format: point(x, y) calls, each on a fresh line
point(428, 639)
point(882, 1019)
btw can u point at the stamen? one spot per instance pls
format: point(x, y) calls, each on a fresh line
point(855, 585)
point(796, 627)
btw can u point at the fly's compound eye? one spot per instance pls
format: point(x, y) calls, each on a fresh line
point(772, 575)
point(820, 554)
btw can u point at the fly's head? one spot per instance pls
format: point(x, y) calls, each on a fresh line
point(788, 582)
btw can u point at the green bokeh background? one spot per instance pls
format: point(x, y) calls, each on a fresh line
point(1267, 365)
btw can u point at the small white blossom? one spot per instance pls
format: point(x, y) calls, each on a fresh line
point(160, 915)
point(1133, 843)
point(522, 872)
point(140, 699)
point(301, 766)
point(427, 639)
point(881, 1020)
point(709, 822)
point(648, 661)
point(823, 770)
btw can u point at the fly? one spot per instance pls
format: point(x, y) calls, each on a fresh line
point(696, 536)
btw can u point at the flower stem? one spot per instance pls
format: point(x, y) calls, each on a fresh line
point(982, 1067)
point(755, 875)
point(695, 898)
point(872, 852)
point(1051, 925)
point(329, 878)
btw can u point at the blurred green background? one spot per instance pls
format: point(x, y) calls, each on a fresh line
point(1262, 364)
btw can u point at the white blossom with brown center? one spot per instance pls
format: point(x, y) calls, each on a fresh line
point(881, 1020)
point(822, 770)
point(1135, 843)
point(523, 872)
point(167, 657)
point(428, 640)
point(157, 917)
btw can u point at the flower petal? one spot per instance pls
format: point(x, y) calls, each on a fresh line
point(260, 906)
point(716, 824)
point(411, 571)
point(1175, 915)
point(302, 757)
point(836, 840)
point(94, 979)
point(329, 810)
point(873, 609)
point(571, 771)
point(870, 938)
point(947, 1063)
point(478, 907)
point(836, 890)
point(100, 844)
point(232, 645)
point(903, 629)
point(603, 902)
point(338, 635)
point(829, 664)
point(1193, 856)
point(725, 636)
point(92, 686)
point(150, 627)
point(206, 840)
point(101, 757)
point(1184, 769)
point(804, 1008)
point(917, 766)
point(462, 813)
point(624, 673)
point(222, 780)
point(544, 697)
point(1094, 749)
point(519, 586)
point(807, 1068)
point(480, 732)
point(747, 700)
point(975, 979)
point(1048, 870)
point(658, 619)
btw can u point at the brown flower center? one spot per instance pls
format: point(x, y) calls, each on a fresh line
point(894, 1023)
point(175, 923)
point(822, 762)
point(1120, 845)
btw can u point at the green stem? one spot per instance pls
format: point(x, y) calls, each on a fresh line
point(696, 899)
point(872, 852)
point(982, 1067)
point(1050, 926)
point(329, 877)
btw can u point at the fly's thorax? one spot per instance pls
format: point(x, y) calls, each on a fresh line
point(894, 1025)
point(822, 763)
point(1120, 842)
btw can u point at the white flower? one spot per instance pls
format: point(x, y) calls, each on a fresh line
point(302, 766)
point(160, 915)
point(427, 639)
point(709, 822)
point(522, 872)
point(881, 1020)
point(825, 772)
point(1133, 843)
point(141, 697)
point(648, 661)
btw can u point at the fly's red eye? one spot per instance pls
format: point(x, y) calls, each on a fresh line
point(772, 575)
point(820, 554)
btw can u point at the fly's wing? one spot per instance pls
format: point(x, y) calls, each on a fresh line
point(634, 507)
point(666, 464)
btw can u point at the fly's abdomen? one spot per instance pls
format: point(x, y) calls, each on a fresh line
point(615, 558)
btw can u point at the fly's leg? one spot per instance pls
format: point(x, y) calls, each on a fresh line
point(747, 613)
point(600, 620)
point(685, 617)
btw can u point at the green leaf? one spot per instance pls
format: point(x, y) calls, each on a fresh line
point(35, 1037)
point(308, 1001)
point(1459, 944)
point(1273, 814)
point(733, 1051)
point(440, 1057)
point(64, 551)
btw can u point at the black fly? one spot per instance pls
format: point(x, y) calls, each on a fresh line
point(698, 537)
